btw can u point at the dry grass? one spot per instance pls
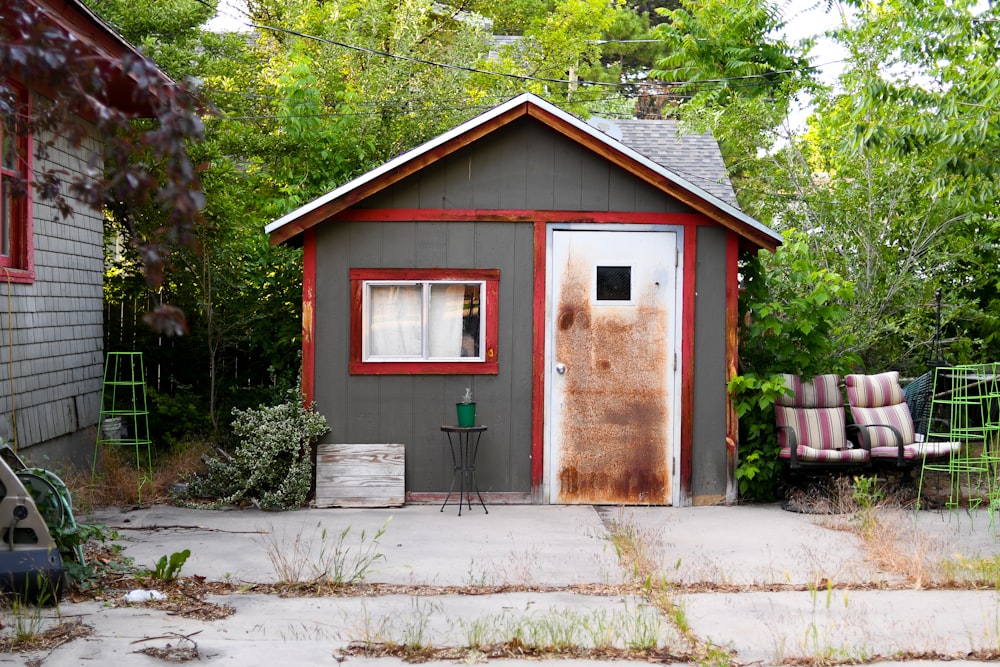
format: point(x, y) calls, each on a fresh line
point(118, 482)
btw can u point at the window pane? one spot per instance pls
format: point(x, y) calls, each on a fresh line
point(614, 283)
point(5, 219)
point(7, 157)
point(471, 321)
point(395, 313)
point(445, 320)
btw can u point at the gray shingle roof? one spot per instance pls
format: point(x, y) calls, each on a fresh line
point(694, 157)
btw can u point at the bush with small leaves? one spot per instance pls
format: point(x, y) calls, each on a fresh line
point(272, 465)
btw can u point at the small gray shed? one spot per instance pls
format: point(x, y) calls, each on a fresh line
point(584, 287)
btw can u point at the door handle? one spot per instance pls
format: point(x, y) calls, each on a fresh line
point(561, 369)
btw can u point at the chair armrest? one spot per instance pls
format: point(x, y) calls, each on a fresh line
point(866, 438)
point(861, 441)
point(793, 446)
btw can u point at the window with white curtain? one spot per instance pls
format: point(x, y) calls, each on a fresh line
point(433, 321)
point(423, 321)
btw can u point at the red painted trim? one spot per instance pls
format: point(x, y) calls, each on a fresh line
point(538, 363)
point(732, 359)
point(687, 364)
point(516, 215)
point(424, 368)
point(425, 274)
point(19, 266)
point(309, 316)
point(488, 367)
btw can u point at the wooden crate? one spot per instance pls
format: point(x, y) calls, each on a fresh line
point(360, 475)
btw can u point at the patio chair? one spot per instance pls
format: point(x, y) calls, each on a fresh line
point(811, 426)
point(882, 418)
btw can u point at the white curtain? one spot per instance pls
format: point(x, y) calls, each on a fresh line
point(445, 320)
point(395, 320)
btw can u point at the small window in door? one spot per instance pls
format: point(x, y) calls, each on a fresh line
point(614, 284)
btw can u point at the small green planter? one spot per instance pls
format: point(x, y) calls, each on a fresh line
point(466, 414)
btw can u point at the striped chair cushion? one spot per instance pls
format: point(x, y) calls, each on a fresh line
point(878, 399)
point(823, 391)
point(814, 411)
point(811, 454)
point(921, 450)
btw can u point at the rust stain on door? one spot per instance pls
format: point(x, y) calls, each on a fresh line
point(614, 420)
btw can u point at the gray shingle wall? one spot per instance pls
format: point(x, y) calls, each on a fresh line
point(51, 337)
point(694, 157)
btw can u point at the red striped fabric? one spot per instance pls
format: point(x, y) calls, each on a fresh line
point(879, 400)
point(814, 411)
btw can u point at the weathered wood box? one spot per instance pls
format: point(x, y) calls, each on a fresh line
point(360, 475)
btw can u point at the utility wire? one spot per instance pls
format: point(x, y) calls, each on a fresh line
point(474, 70)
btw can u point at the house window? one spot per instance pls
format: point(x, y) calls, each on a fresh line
point(15, 218)
point(412, 321)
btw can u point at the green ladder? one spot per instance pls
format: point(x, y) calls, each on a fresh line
point(124, 417)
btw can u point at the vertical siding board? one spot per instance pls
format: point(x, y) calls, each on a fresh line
point(332, 319)
point(518, 356)
point(366, 244)
point(540, 169)
point(595, 182)
point(428, 463)
point(622, 195)
point(396, 408)
point(364, 409)
point(512, 161)
point(495, 245)
point(362, 400)
point(399, 245)
point(567, 181)
point(488, 170)
point(433, 192)
point(462, 245)
point(649, 199)
point(708, 464)
point(458, 179)
point(432, 244)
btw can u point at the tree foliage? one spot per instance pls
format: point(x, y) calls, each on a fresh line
point(792, 320)
point(149, 163)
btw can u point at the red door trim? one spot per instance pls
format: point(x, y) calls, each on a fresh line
point(687, 364)
point(538, 363)
point(309, 315)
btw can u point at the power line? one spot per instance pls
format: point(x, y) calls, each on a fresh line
point(474, 70)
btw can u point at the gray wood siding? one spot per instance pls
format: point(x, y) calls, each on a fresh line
point(708, 474)
point(52, 339)
point(525, 166)
point(410, 409)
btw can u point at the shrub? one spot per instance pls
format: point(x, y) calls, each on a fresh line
point(791, 321)
point(271, 466)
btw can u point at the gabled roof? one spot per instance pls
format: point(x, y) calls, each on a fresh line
point(643, 167)
point(106, 44)
point(695, 157)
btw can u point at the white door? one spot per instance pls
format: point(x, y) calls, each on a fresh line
point(613, 417)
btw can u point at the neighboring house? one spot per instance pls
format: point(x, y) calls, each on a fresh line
point(51, 275)
point(585, 292)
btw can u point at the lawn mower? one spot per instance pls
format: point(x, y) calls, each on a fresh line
point(34, 504)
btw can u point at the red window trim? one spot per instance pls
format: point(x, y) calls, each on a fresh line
point(19, 266)
point(487, 367)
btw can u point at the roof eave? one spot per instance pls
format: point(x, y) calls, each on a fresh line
point(404, 165)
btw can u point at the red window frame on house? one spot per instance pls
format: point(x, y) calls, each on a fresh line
point(15, 209)
point(363, 362)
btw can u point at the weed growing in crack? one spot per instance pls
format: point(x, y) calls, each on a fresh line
point(337, 562)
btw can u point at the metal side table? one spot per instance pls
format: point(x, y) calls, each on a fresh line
point(463, 447)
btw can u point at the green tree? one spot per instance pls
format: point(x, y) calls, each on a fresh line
point(792, 319)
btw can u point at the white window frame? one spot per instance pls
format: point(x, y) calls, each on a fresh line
point(424, 356)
